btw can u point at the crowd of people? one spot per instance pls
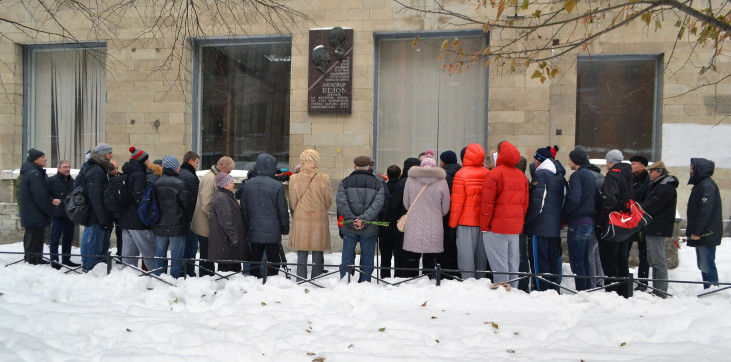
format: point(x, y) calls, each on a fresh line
point(483, 218)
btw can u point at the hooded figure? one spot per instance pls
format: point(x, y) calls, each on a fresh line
point(265, 213)
point(502, 214)
point(705, 226)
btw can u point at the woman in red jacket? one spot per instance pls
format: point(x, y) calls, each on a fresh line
point(502, 213)
point(465, 212)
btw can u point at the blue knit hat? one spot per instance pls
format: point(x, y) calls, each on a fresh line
point(542, 154)
point(170, 162)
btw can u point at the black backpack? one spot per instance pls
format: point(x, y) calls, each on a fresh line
point(77, 205)
point(116, 195)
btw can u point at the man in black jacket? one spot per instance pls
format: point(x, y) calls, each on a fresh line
point(578, 212)
point(59, 186)
point(640, 189)
point(389, 235)
point(616, 191)
point(660, 203)
point(97, 233)
point(360, 198)
point(173, 226)
point(188, 174)
point(138, 237)
point(35, 205)
point(265, 212)
point(705, 226)
point(402, 258)
point(448, 258)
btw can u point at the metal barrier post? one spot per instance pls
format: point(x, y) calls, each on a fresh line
point(108, 258)
point(439, 274)
point(266, 270)
point(630, 285)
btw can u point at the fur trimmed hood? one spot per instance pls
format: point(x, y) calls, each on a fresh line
point(101, 161)
point(427, 175)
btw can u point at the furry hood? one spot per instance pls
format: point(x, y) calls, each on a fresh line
point(155, 168)
point(101, 161)
point(427, 175)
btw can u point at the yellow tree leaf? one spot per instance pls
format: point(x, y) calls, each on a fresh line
point(646, 18)
point(413, 43)
point(524, 5)
point(500, 9)
point(536, 74)
point(543, 79)
point(570, 5)
point(445, 45)
point(658, 24)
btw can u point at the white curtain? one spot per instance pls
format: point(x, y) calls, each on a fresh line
point(421, 107)
point(67, 103)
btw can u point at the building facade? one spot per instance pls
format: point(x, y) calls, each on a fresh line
point(236, 84)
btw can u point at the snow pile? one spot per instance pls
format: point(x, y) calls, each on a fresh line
point(48, 315)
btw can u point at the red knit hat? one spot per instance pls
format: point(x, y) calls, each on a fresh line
point(138, 154)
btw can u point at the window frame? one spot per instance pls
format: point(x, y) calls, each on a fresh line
point(29, 77)
point(197, 44)
point(379, 36)
point(657, 109)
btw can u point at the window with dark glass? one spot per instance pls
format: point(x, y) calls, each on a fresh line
point(617, 104)
point(244, 101)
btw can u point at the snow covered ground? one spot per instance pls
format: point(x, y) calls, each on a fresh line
point(46, 315)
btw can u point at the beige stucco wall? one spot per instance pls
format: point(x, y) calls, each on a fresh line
point(142, 87)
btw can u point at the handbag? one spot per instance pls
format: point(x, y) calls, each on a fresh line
point(622, 224)
point(401, 223)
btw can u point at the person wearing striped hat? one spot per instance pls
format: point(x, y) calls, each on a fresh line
point(173, 227)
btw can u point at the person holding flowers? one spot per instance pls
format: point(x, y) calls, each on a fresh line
point(310, 196)
point(360, 198)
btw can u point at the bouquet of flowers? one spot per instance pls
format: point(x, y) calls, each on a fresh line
point(342, 221)
point(680, 241)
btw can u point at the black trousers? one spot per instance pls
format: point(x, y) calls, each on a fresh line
point(204, 267)
point(614, 262)
point(643, 270)
point(33, 244)
point(448, 258)
point(386, 247)
point(257, 253)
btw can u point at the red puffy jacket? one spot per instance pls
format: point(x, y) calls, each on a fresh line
point(504, 194)
point(467, 188)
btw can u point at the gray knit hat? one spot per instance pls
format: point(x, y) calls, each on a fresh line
point(614, 156)
point(170, 162)
point(223, 179)
point(103, 148)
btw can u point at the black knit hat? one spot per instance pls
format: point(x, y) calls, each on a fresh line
point(542, 154)
point(579, 157)
point(639, 159)
point(448, 157)
point(34, 154)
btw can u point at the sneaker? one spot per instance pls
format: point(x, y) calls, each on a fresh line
point(71, 264)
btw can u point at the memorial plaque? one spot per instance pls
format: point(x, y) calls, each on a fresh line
point(330, 85)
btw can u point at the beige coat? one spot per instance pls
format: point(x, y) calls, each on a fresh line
point(310, 227)
point(202, 214)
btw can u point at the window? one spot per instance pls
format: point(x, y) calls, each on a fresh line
point(243, 94)
point(618, 104)
point(420, 107)
point(65, 97)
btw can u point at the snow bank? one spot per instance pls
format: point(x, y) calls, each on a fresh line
point(48, 315)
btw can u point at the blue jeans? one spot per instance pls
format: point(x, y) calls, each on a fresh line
point(546, 251)
point(177, 249)
point(65, 227)
point(706, 257)
point(367, 254)
point(94, 244)
point(578, 238)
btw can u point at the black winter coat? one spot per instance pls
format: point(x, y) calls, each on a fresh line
point(451, 170)
point(59, 186)
point(581, 197)
point(396, 202)
point(34, 200)
point(226, 236)
point(640, 186)
point(704, 206)
point(361, 196)
point(263, 205)
point(171, 200)
point(392, 210)
point(616, 191)
point(660, 203)
point(136, 187)
point(95, 181)
point(546, 202)
point(191, 181)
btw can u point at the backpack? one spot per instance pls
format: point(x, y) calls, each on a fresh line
point(148, 211)
point(77, 205)
point(116, 195)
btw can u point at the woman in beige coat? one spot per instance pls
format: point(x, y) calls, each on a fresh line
point(310, 196)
